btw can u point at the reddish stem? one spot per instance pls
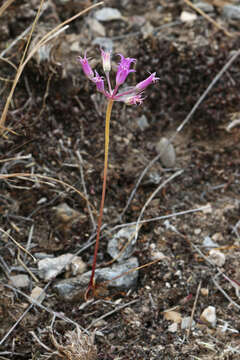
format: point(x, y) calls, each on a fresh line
point(91, 285)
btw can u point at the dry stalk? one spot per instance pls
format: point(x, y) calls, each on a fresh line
point(26, 175)
point(5, 5)
point(17, 244)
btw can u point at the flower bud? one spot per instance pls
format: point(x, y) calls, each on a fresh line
point(106, 60)
point(86, 67)
point(143, 84)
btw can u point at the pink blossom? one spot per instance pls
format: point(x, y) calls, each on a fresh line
point(123, 69)
point(131, 95)
point(86, 67)
point(143, 84)
point(98, 80)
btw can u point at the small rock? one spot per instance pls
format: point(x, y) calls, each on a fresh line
point(217, 257)
point(187, 16)
point(208, 316)
point(78, 266)
point(197, 231)
point(143, 122)
point(204, 291)
point(173, 316)
point(208, 243)
point(207, 8)
point(173, 327)
point(125, 282)
point(207, 209)
point(73, 288)
point(158, 255)
point(38, 294)
point(107, 14)
point(167, 152)
point(218, 237)
point(96, 27)
point(125, 237)
point(186, 323)
point(20, 281)
point(231, 12)
point(49, 268)
point(65, 213)
point(153, 178)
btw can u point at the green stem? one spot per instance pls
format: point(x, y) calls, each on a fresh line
point(91, 285)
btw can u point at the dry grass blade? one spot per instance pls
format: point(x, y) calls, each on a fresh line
point(26, 175)
point(5, 6)
point(18, 245)
point(193, 309)
point(22, 65)
point(26, 268)
point(19, 71)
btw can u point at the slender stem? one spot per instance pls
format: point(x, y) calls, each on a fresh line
point(128, 92)
point(109, 83)
point(91, 285)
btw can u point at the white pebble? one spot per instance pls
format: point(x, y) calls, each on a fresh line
point(186, 323)
point(209, 316)
point(20, 281)
point(173, 327)
point(187, 16)
point(38, 294)
point(107, 14)
point(217, 257)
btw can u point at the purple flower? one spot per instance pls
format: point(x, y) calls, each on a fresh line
point(106, 60)
point(98, 80)
point(123, 69)
point(131, 95)
point(86, 67)
point(143, 84)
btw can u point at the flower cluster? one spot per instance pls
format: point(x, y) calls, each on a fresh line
point(131, 96)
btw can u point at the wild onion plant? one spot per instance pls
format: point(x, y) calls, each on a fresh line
point(131, 96)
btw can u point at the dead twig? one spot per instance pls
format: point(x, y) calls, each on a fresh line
point(224, 293)
point(26, 175)
point(5, 5)
point(18, 245)
point(79, 156)
point(26, 268)
point(193, 309)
